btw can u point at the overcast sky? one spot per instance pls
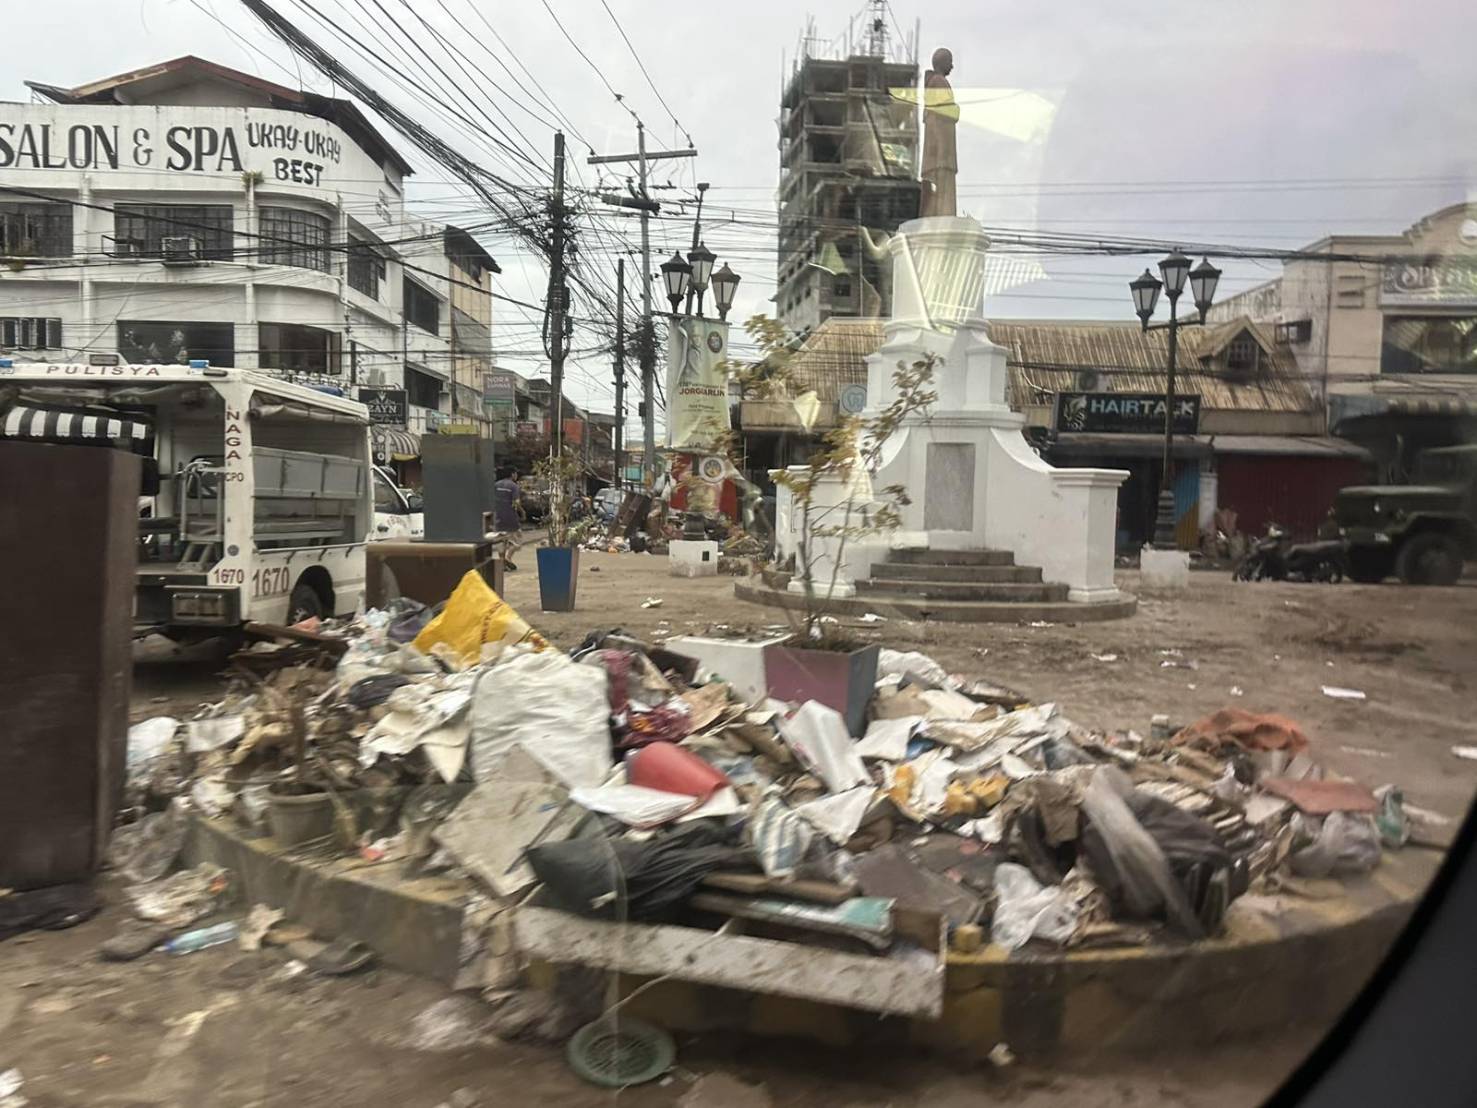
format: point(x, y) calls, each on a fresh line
point(1256, 122)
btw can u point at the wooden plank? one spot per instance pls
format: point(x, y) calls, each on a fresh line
point(875, 984)
point(755, 884)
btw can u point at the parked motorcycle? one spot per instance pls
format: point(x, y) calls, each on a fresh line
point(1275, 557)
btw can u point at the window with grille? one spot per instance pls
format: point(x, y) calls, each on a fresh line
point(298, 349)
point(288, 236)
point(30, 333)
point(1242, 355)
point(422, 389)
point(160, 342)
point(141, 230)
point(36, 230)
point(422, 307)
point(366, 269)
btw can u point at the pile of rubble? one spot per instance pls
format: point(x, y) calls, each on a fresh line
point(624, 782)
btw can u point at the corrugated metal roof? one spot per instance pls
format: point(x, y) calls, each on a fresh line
point(1048, 356)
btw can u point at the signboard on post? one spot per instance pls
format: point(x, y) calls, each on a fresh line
point(499, 387)
point(1124, 413)
point(387, 406)
point(697, 386)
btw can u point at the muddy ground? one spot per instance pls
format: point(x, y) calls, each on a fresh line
point(223, 1027)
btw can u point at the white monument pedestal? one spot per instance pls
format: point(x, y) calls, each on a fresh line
point(973, 480)
point(692, 558)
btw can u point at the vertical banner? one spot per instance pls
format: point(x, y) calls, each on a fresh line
point(697, 386)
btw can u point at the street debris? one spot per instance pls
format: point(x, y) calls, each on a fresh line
point(736, 840)
point(1467, 752)
point(652, 602)
point(1344, 694)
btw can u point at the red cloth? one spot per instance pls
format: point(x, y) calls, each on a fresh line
point(1247, 730)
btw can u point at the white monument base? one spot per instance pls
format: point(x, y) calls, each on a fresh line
point(1164, 569)
point(692, 558)
point(973, 480)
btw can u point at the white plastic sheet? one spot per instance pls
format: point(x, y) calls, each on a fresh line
point(1025, 909)
point(430, 714)
point(1023, 727)
point(913, 666)
point(148, 738)
point(634, 805)
point(819, 736)
point(202, 735)
point(556, 709)
point(887, 739)
point(838, 817)
point(779, 836)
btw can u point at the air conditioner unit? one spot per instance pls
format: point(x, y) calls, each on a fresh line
point(1089, 380)
point(180, 249)
point(126, 248)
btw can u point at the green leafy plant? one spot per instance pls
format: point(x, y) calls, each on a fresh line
point(558, 472)
point(850, 450)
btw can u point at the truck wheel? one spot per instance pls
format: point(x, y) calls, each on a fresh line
point(304, 603)
point(1430, 559)
point(1369, 567)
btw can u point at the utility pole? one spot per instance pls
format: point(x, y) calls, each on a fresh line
point(620, 372)
point(557, 304)
point(648, 345)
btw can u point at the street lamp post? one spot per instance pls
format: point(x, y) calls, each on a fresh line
point(690, 278)
point(1175, 272)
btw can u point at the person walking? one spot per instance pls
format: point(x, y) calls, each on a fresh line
point(507, 513)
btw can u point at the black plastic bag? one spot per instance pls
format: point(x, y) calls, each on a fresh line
point(50, 909)
point(609, 879)
point(371, 691)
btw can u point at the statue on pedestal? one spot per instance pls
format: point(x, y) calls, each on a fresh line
point(940, 164)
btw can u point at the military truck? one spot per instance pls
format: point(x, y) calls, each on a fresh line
point(1422, 532)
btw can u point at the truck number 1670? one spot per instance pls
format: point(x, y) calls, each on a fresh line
point(269, 582)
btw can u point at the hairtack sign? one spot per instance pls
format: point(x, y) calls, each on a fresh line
point(1124, 413)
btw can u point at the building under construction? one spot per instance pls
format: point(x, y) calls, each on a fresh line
point(848, 169)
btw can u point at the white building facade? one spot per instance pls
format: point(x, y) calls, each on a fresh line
point(190, 211)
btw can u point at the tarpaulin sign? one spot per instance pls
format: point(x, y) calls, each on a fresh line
point(697, 386)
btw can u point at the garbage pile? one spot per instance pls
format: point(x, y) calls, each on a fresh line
point(623, 781)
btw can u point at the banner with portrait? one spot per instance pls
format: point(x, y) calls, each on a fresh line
point(697, 384)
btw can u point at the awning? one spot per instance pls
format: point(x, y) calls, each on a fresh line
point(1412, 401)
point(53, 424)
point(394, 445)
point(1312, 446)
point(1203, 446)
point(1128, 446)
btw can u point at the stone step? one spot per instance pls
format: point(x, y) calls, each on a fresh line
point(920, 557)
point(945, 611)
point(904, 571)
point(1035, 592)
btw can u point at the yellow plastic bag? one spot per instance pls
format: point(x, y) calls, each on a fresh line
point(474, 615)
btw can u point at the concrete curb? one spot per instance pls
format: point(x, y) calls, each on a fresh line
point(412, 924)
point(1268, 973)
point(948, 611)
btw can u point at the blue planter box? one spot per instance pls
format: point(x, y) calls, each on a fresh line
point(558, 574)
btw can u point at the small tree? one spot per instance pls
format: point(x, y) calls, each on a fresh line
point(854, 446)
point(558, 472)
